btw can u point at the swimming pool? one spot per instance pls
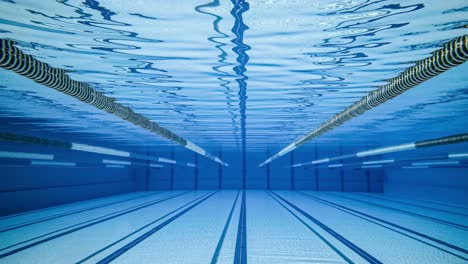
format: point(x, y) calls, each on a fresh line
point(233, 131)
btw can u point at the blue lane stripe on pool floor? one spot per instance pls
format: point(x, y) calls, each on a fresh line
point(79, 227)
point(144, 236)
point(240, 256)
point(462, 250)
point(330, 245)
point(47, 218)
point(437, 220)
point(214, 259)
point(349, 244)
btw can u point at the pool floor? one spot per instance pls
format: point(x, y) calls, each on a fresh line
point(231, 226)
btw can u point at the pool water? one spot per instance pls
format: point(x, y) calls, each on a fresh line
point(233, 131)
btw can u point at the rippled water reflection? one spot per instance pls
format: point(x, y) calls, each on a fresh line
point(241, 75)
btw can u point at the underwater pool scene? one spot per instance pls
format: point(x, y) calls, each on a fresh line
point(234, 131)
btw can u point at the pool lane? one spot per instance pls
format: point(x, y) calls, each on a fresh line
point(191, 238)
point(274, 235)
point(445, 218)
point(31, 216)
point(437, 233)
point(431, 205)
point(20, 223)
point(233, 226)
point(378, 240)
point(22, 238)
point(77, 245)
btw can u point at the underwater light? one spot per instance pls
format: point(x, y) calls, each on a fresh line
point(435, 163)
point(415, 167)
point(99, 150)
point(386, 150)
point(52, 163)
point(320, 161)
point(378, 161)
point(458, 155)
point(119, 162)
point(25, 155)
point(156, 165)
point(191, 164)
point(164, 160)
point(335, 165)
point(371, 166)
point(297, 165)
point(115, 166)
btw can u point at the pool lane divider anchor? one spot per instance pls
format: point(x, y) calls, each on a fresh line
point(453, 53)
point(12, 58)
point(453, 139)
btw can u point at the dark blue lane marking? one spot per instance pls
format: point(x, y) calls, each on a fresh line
point(411, 204)
point(139, 229)
point(214, 259)
point(47, 218)
point(392, 224)
point(464, 227)
point(332, 232)
point(240, 256)
point(337, 251)
point(80, 226)
point(144, 236)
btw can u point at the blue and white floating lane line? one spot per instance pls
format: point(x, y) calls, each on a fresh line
point(452, 53)
point(454, 139)
point(25, 155)
point(78, 147)
point(14, 59)
point(52, 163)
point(420, 163)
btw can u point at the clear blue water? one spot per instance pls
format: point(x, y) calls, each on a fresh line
point(242, 80)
